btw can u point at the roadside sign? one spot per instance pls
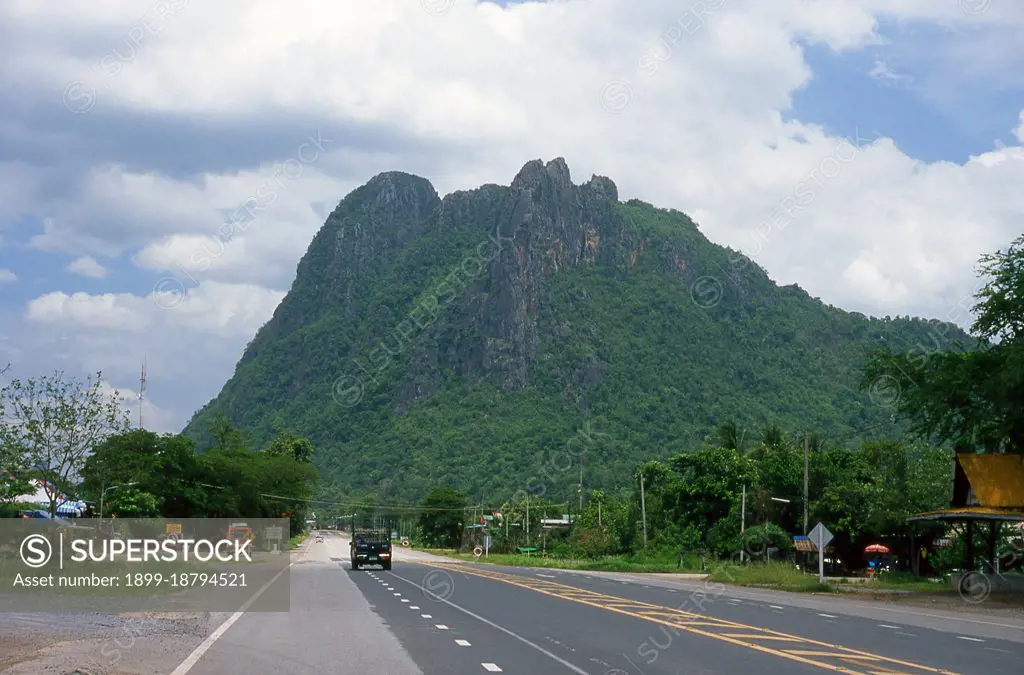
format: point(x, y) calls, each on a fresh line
point(274, 533)
point(821, 537)
point(487, 544)
point(394, 535)
point(174, 529)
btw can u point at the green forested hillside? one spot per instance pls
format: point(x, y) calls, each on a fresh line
point(467, 340)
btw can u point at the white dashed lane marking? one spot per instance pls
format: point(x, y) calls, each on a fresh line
point(427, 616)
point(828, 616)
point(462, 643)
point(441, 626)
point(964, 637)
point(491, 668)
point(885, 625)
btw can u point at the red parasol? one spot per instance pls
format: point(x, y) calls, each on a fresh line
point(876, 548)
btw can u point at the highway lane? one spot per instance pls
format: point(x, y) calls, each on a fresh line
point(940, 640)
point(603, 625)
point(429, 615)
point(330, 629)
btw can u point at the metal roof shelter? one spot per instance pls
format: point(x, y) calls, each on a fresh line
point(987, 488)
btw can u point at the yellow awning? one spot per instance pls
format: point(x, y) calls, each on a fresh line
point(997, 481)
point(972, 513)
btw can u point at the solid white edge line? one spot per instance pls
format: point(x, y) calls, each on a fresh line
point(504, 630)
point(964, 637)
point(192, 659)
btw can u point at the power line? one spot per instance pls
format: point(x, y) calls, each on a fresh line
point(388, 507)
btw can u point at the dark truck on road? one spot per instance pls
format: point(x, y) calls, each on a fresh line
point(370, 547)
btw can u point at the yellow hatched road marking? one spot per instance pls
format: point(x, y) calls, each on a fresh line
point(765, 637)
point(684, 621)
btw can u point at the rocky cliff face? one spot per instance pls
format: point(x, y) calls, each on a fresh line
point(544, 223)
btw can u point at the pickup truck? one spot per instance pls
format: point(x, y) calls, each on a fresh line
point(370, 547)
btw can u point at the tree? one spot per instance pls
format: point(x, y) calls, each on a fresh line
point(225, 435)
point(441, 518)
point(290, 444)
point(13, 483)
point(133, 503)
point(731, 437)
point(1000, 308)
point(53, 422)
point(164, 466)
point(972, 398)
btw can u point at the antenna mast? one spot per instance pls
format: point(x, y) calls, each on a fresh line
point(142, 389)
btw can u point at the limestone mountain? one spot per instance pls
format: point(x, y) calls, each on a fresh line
point(467, 340)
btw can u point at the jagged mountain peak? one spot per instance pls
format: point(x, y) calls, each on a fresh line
point(465, 339)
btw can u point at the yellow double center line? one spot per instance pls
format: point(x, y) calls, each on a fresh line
point(812, 652)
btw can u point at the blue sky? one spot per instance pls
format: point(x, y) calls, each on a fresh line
point(932, 116)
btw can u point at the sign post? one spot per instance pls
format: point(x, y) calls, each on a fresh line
point(821, 537)
point(487, 544)
point(274, 534)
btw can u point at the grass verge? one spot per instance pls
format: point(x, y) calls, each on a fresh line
point(781, 576)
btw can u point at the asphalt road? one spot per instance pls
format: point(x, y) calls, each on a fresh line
point(430, 616)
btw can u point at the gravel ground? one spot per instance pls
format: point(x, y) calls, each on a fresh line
point(100, 644)
point(139, 643)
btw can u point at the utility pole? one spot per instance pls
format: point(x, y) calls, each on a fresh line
point(643, 508)
point(599, 514)
point(527, 518)
point(743, 519)
point(581, 486)
point(806, 454)
point(142, 389)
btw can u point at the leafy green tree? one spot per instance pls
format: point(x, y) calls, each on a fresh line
point(13, 481)
point(53, 422)
point(1000, 308)
point(708, 481)
point(290, 444)
point(442, 516)
point(183, 484)
point(165, 466)
point(132, 503)
point(972, 398)
point(731, 436)
point(225, 435)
